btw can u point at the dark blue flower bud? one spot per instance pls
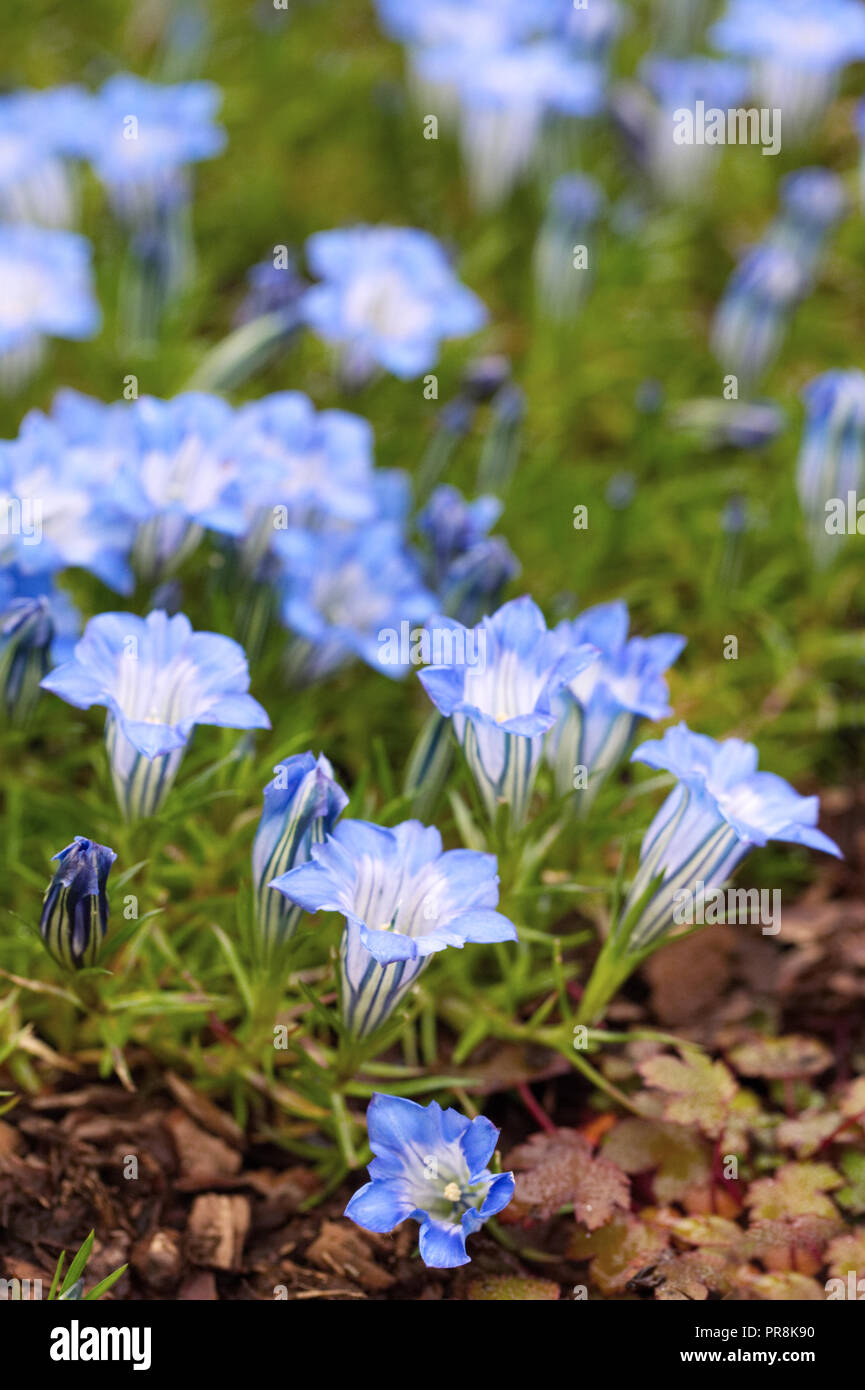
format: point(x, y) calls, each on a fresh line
point(75, 909)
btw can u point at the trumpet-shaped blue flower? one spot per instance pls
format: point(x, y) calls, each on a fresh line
point(179, 479)
point(682, 170)
point(484, 23)
point(430, 1166)
point(38, 626)
point(574, 206)
point(303, 469)
point(799, 46)
point(75, 910)
point(813, 201)
point(386, 297)
point(498, 688)
point(46, 290)
point(37, 131)
point(720, 809)
point(469, 568)
point(58, 506)
point(141, 136)
point(301, 806)
point(507, 97)
point(598, 711)
point(345, 593)
point(831, 461)
point(157, 679)
point(403, 899)
point(752, 316)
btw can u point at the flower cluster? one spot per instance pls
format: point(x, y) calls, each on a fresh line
point(504, 73)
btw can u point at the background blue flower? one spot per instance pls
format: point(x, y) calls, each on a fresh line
point(721, 808)
point(387, 297)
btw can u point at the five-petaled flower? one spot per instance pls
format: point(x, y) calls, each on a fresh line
point(720, 809)
point(157, 679)
point(403, 899)
point(387, 297)
point(430, 1165)
point(502, 707)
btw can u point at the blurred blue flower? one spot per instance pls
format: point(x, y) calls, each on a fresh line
point(681, 171)
point(506, 99)
point(46, 290)
point(800, 48)
point(720, 809)
point(575, 203)
point(157, 679)
point(430, 1166)
point(272, 289)
point(302, 468)
point(452, 525)
point(75, 910)
point(57, 507)
point(403, 899)
point(831, 461)
point(387, 298)
point(498, 687)
point(599, 709)
point(346, 592)
point(469, 568)
point(141, 136)
point(592, 29)
point(733, 424)
point(301, 806)
point(37, 131)
point(179, 479)
point(753, 313)
point(26, 634)
point(813, 201)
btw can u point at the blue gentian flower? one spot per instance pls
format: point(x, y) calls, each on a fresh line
point(498, 684)
point(430, 1166)
point(753, 313)
point(26, 634)
point(813, 201)
point(574, 206)
point(507, 98)
point(592, 29)
point(302, 469)
point(483, 23)
point(46, 290)
point(800, 48)
point(272, 289)
point(141, 136)
point(35, 179)
point(452, 525)
point(681, 171)
point(720, 809)
point(731, 424)
point(350, 594)
point(599, 709)
point(475, 581)
point(831, 462)
point(59, 507)
point(469, 568)
point(387, 298)
point(402, 899)
point(75, 911)
point(157, 679)
point(180, 479)
point(301, 806)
